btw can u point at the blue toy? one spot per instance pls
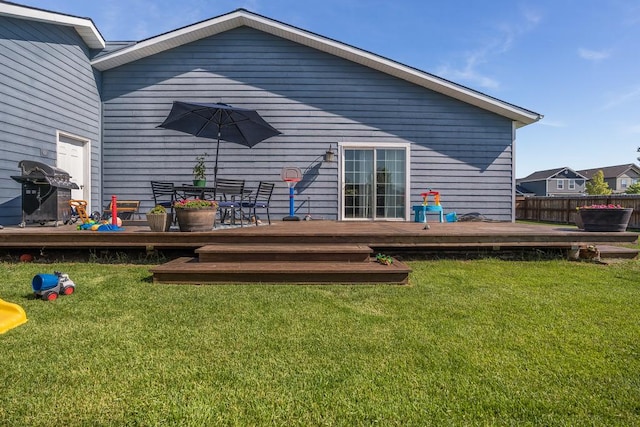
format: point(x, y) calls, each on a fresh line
point(49, 286)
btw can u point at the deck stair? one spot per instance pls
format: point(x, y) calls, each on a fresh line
point(281, 263)
point(617, 252)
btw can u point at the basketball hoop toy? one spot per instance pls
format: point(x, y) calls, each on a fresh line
point(291, 176)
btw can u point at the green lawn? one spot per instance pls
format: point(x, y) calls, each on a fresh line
point(483, 342)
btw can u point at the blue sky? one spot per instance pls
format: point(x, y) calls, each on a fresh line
point(577, 62)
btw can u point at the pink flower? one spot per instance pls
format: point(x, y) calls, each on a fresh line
point(195, 204)
point(609, 206)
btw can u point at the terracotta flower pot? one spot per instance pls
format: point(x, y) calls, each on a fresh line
point(200, 219)
point(604, 219)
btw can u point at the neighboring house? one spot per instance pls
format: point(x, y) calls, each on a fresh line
point(396, 130)
point(553, 182)
point(618, 177)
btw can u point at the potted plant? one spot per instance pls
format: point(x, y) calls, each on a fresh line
point(384, 259)
point(200, 171)
point(196, 214)
point(159, 219)
point(603, 217)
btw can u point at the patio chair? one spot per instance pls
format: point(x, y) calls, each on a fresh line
point(164, 194)
point(231, 194)
point(260, 200)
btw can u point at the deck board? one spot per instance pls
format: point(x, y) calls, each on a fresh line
point(299, 252)
point(187, 270)
point(463, 235)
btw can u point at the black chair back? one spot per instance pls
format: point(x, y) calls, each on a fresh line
point(230, 189)
point(163, 191)
point(230, 193)
point(260, 200)
point(264, 192)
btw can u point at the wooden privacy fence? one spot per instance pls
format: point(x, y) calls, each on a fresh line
point(563, 209)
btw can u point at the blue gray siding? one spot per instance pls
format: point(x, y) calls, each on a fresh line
point(46, 84)
point(316, 100)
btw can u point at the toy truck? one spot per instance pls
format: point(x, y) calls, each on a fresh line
point(49, 286)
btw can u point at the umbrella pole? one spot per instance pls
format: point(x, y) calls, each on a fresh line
point(215, 166)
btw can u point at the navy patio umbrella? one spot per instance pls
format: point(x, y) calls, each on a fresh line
point(219, 121)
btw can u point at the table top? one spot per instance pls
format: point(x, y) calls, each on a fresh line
point(194, 189)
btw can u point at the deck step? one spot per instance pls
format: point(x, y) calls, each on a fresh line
point(250, 252)
point(610, 252)
point(189, 270)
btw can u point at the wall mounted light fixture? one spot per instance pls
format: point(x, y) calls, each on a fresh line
point(329, 155)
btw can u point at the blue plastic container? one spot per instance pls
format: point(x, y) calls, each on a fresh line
point(43, 282)
point(420, 211)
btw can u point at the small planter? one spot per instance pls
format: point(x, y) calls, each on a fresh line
point(611, 220)
point(200, 182)
point(160, 221)
point(196, 219)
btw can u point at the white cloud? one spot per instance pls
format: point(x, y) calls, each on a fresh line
point(502, 42)
point(593, 55)
point(468, 74)
point(616, 100)
point(552, 123)
point(532, 16)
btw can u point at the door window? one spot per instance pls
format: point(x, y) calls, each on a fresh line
point(375, 183)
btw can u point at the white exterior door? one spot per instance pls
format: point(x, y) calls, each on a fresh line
point(73, 157)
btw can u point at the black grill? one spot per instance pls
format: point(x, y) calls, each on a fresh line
point(46, 191)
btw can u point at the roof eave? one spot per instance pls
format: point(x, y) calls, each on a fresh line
point(521, 117)
point(168, 41)
point(83, 26)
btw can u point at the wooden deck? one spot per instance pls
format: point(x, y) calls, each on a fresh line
point(377, 235)
point(315, 252)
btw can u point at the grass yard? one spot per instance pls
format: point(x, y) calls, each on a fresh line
point(484, 342)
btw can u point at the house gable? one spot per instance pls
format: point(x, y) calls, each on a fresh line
point(83, 26)
point(241, 17)
point(317, 100)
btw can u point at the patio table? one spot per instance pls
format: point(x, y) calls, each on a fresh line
point(186, 191)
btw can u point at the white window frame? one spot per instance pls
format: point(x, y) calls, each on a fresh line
point(374, 145)
point(572, 184)
point(560, 184)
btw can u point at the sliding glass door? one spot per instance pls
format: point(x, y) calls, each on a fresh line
point(375, 183)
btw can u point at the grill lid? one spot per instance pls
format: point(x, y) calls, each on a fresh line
point(41, 173)
point(31, 167)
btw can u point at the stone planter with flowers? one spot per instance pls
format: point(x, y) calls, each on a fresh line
point(196, 214)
